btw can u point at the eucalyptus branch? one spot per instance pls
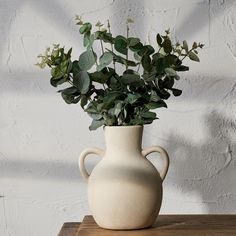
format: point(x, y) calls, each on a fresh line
point(187, 54)
point(102, 46)
point(192, 53)
point(127, 36)
point(96, 58)
point(112, 49)
point(91, 101)
point(101, 43)
point(180, 53)
point(113, 98)
point(94, 106)
point(70, 82)
point(138, 67)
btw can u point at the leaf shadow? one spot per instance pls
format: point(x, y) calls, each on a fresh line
point(206, 169)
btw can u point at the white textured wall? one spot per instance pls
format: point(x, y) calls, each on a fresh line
point(41, 137)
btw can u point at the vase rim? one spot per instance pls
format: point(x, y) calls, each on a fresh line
point(122, 126)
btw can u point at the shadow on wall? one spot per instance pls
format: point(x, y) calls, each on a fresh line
point(39, 170)
point(198, 170)
point(207, 169)
point(50, 9)
point(193, 23)
point(54, 12)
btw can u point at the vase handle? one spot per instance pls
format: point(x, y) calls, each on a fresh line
point(82, 157)
point(164, 156)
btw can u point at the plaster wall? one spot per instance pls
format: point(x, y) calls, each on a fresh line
point(41, 137)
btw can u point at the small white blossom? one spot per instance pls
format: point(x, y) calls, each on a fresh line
point(79, 19)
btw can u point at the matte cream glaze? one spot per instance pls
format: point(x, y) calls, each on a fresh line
point(124, 189)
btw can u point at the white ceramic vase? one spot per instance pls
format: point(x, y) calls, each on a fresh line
point(124, 188)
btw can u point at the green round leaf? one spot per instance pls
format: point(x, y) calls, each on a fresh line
point(122, 60)
point(182, 68)
point(193, 56)
point(105, 60)
point(69, 91)
point(170, 72)
point(96, 124)
point(82, 81)
point(86, 60)
point(121, 44)
point(167, 45)
point(159, 40)
point(132, 98)
point(154, 105)
point(133, 41)
point(154, 97)
point(130, 78)
point(70, 98)
point(147, 49)
point(137, 47)
point(185, 46)
point(149, 115)
point(176, 92)
point(146, 62)
point(86, 27)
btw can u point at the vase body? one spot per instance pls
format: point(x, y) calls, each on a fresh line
point(124, 188)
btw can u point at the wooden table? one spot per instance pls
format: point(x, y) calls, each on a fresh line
point(166, 225)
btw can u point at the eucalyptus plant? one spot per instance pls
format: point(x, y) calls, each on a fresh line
point(112, 98)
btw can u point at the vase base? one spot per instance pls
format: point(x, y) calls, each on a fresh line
point(119, 226)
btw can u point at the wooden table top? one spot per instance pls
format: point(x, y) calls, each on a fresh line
point(166, 225)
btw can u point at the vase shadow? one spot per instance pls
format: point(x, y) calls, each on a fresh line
point(208, 169)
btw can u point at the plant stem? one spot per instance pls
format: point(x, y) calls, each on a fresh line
point(180, 53)
point(70, 81)
point(102, 46)
point(112, 49)
point(101, 43)
point(96, 58)
point(127, 35)
point(91, 101)
point(187, 54)
point(138, 67)
point(101, 113)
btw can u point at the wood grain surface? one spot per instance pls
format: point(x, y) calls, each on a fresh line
point(166, 225)
point(69, 229)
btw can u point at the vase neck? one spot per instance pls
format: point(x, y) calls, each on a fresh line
point(123, 139)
